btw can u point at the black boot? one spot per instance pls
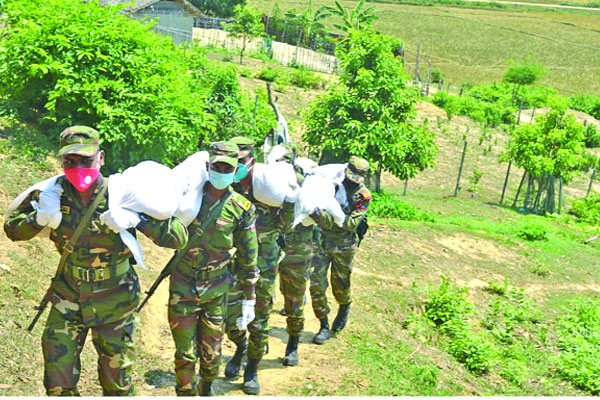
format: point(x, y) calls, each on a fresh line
point(206, 388)
point(341, 318)
point(234, 366)
point(324, 333)
point(291, 351)
point(251, 385)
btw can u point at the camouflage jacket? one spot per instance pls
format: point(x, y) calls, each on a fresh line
point(98, 246)
point(234, 227)
point(358, 203)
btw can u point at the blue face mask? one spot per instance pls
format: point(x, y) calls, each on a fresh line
point(241, 173)
point(219, 180)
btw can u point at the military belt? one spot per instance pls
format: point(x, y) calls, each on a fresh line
point(203, 274)
point(98, 274)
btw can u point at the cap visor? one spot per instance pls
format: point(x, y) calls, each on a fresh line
point(86, 150)
point(224, 159)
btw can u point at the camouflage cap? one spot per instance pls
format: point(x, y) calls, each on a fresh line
point(358, 169)
point(226, 152)
point(79, 139)
point(244, 144)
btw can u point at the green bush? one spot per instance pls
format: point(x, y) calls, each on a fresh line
point(587, 210)
point(386, 206)
point(117, 75)
point(447, 304)
point(437, 75)
point(586, 103)
point(533, 232)
point(592, 136)
point(579, 345)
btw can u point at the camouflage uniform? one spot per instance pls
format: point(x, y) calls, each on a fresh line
point(200, 281)
point(338, 245)
point(98, 291)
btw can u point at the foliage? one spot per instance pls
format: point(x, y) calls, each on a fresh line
point(587, 210)
point(309, 21)
point(447, 303)
point(356, 19)
point(369, 112)
point(532, 233)
point(592, 136)
point(540, 270)
point(488, 114)
point(218, 8)
point(437, 75)
point(522, 74)
point(579, 344)
point(385, 206)
point(89, 65)
point(301, 77)
point(247, 26)
point(474, 181)
point(586, 103)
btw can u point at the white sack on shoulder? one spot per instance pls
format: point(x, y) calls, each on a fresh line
point(193, 171)
point(332, 172)
point(317, 192)
point(272, 183)
point(41, 186)
point(276, 153)
point(306, 164)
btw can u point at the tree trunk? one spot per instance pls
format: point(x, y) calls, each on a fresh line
point(378, 179)
point(242, 51)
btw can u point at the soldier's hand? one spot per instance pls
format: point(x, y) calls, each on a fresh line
point(120, 219)
point(247, 314)
point(48, 207)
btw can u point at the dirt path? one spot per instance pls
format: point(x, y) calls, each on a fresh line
point(520, 3)
point(274, 378)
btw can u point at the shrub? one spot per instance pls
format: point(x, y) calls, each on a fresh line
point(437, 75)
point(586, 103)
point(446, 304)
point(587, 210)
point(592, 136)
point(386, 206)
point(533, 232)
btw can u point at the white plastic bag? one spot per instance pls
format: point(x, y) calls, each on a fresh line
point(334, 173)
point(317, 192)
point(275, 154)
point(306, 164)
point(41, 186)
point(272, 183)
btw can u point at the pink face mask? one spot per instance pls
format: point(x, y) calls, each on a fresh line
point(82, 178)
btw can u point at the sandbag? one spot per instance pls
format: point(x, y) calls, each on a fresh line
point(194, 175)
point(317, 192)
point(272, 183)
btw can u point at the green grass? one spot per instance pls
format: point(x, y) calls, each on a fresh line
point(470, 44)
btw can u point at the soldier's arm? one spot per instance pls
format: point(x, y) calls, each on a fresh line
point(285, 217)
point(170, 233)
point(246, 243)
point(357, 214)
point(21, 224)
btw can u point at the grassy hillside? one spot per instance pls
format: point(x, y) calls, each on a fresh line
point(475, 44)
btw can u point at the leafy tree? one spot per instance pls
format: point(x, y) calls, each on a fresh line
point(523, 74)
point(356, 19)
point(218, 8)
point(117, 75)
point(552, 148)
point(247, 26)
point(369, 112)
point(309, 20)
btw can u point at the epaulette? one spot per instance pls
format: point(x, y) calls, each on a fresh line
point(241, 201)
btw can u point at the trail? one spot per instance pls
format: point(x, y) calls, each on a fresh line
point(274, 378)
point(520, 3)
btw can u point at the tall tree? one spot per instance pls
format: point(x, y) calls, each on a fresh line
point(522, 74)
point(218, 8)
point(247, 26)
point(356, 19)
point(369, 112)
point(309, 20)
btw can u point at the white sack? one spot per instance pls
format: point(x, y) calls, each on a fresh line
point(317, 192)
point(332, 172)
point(41, 186)
point(194, 174)
point(275, 154)
point(272, 183)
point(306, 164)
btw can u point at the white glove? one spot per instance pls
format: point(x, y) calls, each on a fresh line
point(48, 207)
point(120, 219)
point(247, 314)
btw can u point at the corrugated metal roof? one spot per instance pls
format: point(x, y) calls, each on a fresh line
point(141, 4)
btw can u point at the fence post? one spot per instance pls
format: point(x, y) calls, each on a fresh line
point(505, 181)
point(591, 181)
point(519, 189)
point(532, 114)
point(462, 161)
point(520, 108)
point(561, 197)
point(461, 92)
point(428, 78)
point(405, 186)
point(417, 64)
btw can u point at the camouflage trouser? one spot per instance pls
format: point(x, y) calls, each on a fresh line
point(235, 295)
point(106, 308)
point(268, 257)
point(340, 255)
point(293, 274)
point(196, 318)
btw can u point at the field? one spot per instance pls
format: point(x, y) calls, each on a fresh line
point(475, 44)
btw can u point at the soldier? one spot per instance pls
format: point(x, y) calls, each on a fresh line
point(294, 271)
point(269, 221)
point(200, 281)
point(338, 248)
point(97, 290)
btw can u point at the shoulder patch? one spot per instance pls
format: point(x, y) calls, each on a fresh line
point(65, 210)
point(241, 201)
